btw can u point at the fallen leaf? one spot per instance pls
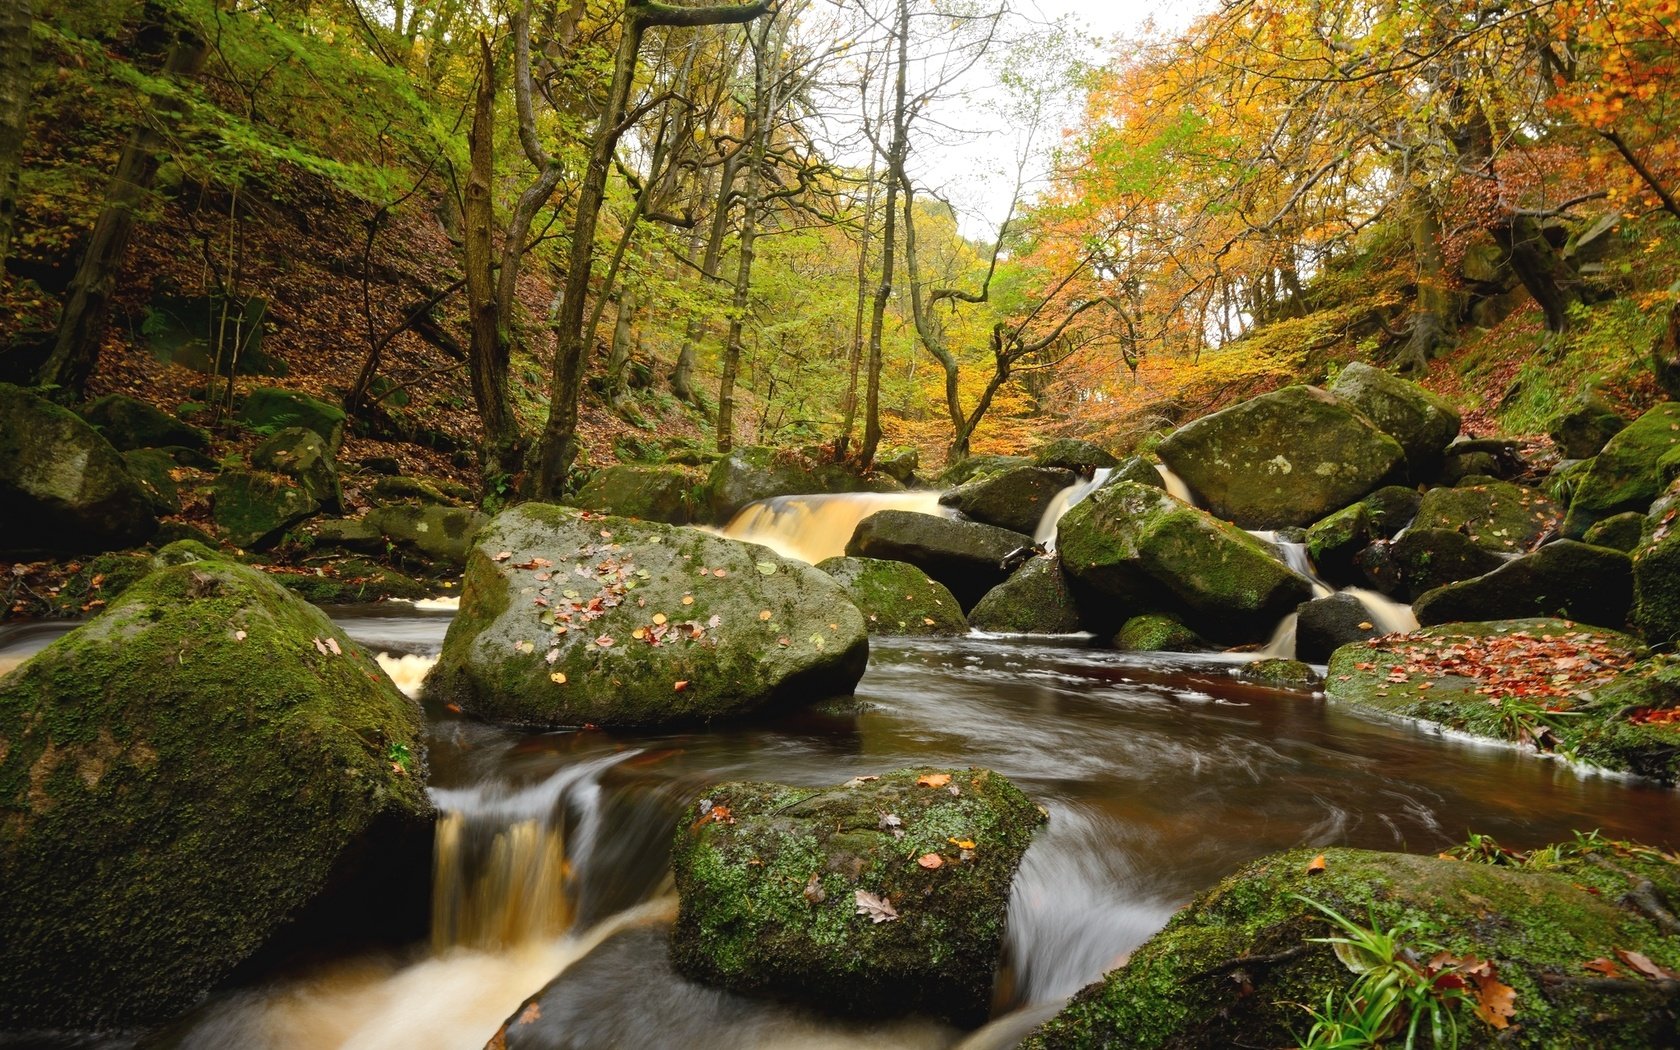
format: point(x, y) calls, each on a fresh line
point(688, 599)
point(1316, 865)
point(929, 621)
point(766, 568)
point(879, 909)
point(814, 891)
point(1603, 966)
point(605, 641)
point(679, 686)
point(320, 646)
point(764, 614)
point(1494, 1002)
point(503, 555)
point(639, 633)
point(239, 636)
point(658, 618)
point(719, 573)
point(930, 861)
point(961, 843)
point(1645, 966)
point(558, 678)
point(934, 780)
point(531, 1013)
point(1366, 625)
point(332, 643)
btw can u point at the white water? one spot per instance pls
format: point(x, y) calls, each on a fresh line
point(811, 528)
point(1176, 487)
point(1065, 501)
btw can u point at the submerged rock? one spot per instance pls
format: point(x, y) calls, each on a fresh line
point(1424, 423)
point(62, 486)
point(1285, 458)
point(895, 597)
point(1135, 549)
point(884, 895)
point(1245, 963)
point(569, 617)
point(1563, 579)
point(965, 556)
point(668, 494)
point(1035, 600)
point(1012, 499)
point(179, 778)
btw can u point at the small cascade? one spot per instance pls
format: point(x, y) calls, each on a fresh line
point(1390, 616)
point(1295, 556)
point(1065, 501)
point(811, 528)
point(500, 871)
point(1176, 487)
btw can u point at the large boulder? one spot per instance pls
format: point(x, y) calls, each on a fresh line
point(1424, 559)
point(1035, 600)
point(668, 494)
point(1333, 541)
point(1520, 939)
point(1496, 516)
point(1012, 499)
point(883, 895)
point(154, 470)
point(1625, 476)
point(428, 532)
point(1074, 454)
point(1285, 458)
point(1424, 423)
point(1134, 549)
point(302, 455)
point(1583, 429)
point(895, 597)
point(129, 424)
point(569, 617)
point(1138, 469)
point(965, 556)
point(1564, 579)
point(269, 410)
point(178, 779)
point(1656, 589)
point(254, 508)
point(973, 466)
point(63, 488)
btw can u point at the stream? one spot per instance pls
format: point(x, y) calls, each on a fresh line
point(1161, 774)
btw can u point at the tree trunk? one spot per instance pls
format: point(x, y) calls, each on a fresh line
point(16, 68)
point(1435, 313)
point(854, 360)
point(1543, 270)
point(81, 328)
point(487, 354)
point(889, 244)
point(618, 360)
point(682, 378)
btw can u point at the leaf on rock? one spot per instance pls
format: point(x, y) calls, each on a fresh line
point(879, 909)
point(503, 555)
point(814, 891)
point(1644, 965)
point(658, 619)
point(239, 636)
point(934, 780)
point(720, 573)
point(764, 614)
point(605, 641)
point(679, 686)
point(558, 678)
point(1494, 1001)
point(766, 568)
point(320, 646)
point(931, 861)
point(688, 599)
point(1316, 865)
point(960, 843)
point(1603, 966)
point(332, 643)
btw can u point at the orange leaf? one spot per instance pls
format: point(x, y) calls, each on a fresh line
point(1495, 1002)
point(680, 686)
point(1645, 966)
point(934, 780)
point(1316, 865)
point(1603, 966)
point(931, 861)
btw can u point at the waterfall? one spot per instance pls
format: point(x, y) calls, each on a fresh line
point(1065, 501)
point(811, 528)
point(1389, 616)
point(1176, 487)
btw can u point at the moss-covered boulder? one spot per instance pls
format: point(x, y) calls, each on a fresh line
point(154, 470)
point(668, 494)
point(569, 617)
point(63, 488)
point(1285, 458)
point(1074, 454)
point(347, 581)
point(1036, 599)
point(254, 508)
point(178, 779)
point(1132, 549)
point(1424, 559)
point(1333, 542)
point(895, 597)
point(1565, 579)
point(130, 424)
point(1583, 429)
point(1293, 675)
point(1424, 423)
point(965, 556)
point(349, 534)
point(900, 464)
point(972, 466)
point(303, 455)
point(1392, 507)
point(1245, 963)
point(1656, 589)
point(1140, 470)
point(1012, 499)
point(441, 536)
point(269, 410)
point(1158, 633)
point(1622, 532)
point(1497, 516)
point(1625, 476)
point(1324, 625)
point(401, 488)
point(1550, 684)
point(887, 894)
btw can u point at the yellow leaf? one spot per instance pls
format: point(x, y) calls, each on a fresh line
point(961, 843)
point(558, 678)
point(934, 780)
point(658, 619)
point(764, 614)
point(688, 599)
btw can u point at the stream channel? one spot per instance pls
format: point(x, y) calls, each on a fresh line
point(1161, 773)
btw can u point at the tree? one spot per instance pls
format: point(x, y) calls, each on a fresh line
point(16, 68)
point(558, 447)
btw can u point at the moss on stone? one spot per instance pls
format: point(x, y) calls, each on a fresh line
point(177, 779)
point(768, 877)
point(255, 508)
point(1158, 633)
point(670, 494)
point(1625, 475)
point(895, 597)
point(1497, 516)
point(1035, 599)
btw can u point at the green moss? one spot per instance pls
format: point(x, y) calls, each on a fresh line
point(896, 597)
point(1498, 516)
point(178, 778)
point(1158, 633)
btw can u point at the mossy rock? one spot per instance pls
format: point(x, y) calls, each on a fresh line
point(1285, 458)
point(180, 777)
point(895, 597)
point(269, 410)
point(350, 534)
point(1424, 559)
point(153, 469)
point(1139, 470)
point(775, 885)
point(352, 581)
point(1625, 476)
point(63, 488)
point(569, 617)
point(1247, 960)
point(1130, 548)
point(1656, 590)
point(1565, 478)
point(1392, 508)
point(255, 508)
point(303, 455)
point(1282, 674)
point(1324, 625)
point(965, 556)
point(1333, 541)
point(1074, 454)
point(1158, 633)
point(668, 494)
point(1622, 532)
point(1501, 679)
point(1013, 499)
point(400, 488)
point(435, 535)
point(757, 472)
point(1497, 516)
point(130, 424)
point(900, 464)
point(972, 466)
point(1035, 599)
point(1565, 579)
point(1583, 429)
point(1424, 423)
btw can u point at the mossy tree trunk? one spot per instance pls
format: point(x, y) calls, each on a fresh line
point(81, 327)
point(1435, 312)
point(16, 66)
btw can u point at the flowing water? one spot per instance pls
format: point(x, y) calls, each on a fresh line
point(812, 528)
